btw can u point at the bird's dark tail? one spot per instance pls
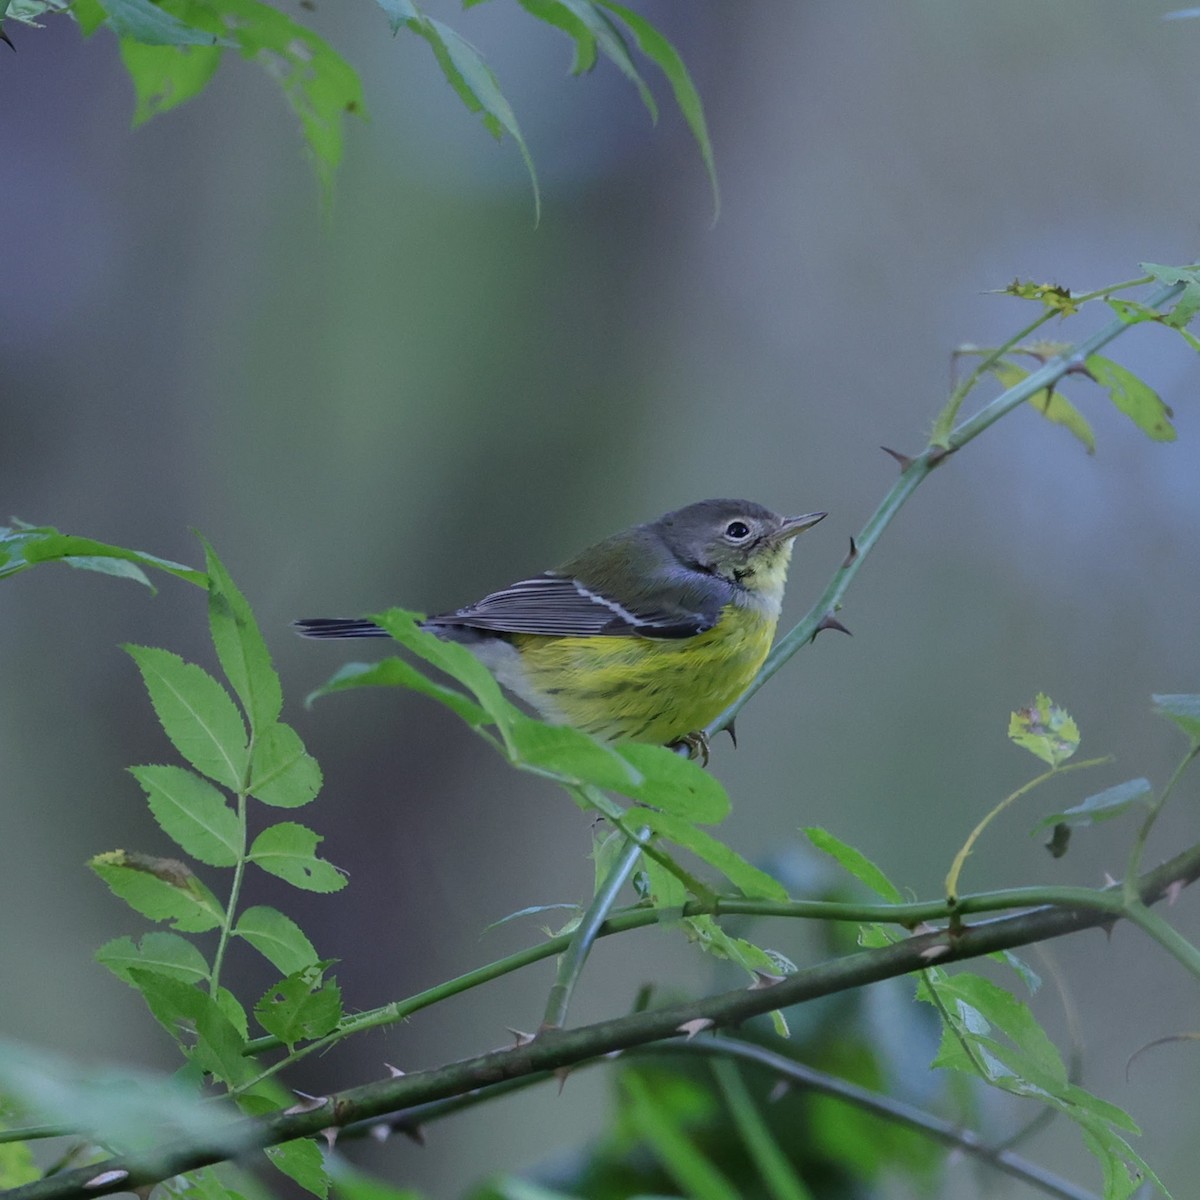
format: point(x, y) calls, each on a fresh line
point(338, 627)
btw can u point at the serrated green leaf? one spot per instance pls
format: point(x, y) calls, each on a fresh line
point(153, 25)
point(674, 784)
point(199, 1023)
point(350, 1184)
point(282, 773)
point(1109, 803)
point(276, 937)
point(1133, 312)
point(302, 1162)
point(748, 879)
point(158, 953)
point(239, 643)
point(193, 813)
point(206, 1184)
point(1045, 730)
point(286, 850)
point(302, 1006)
point(857, 863)
point(319, 85)
point(165, 76)
point(656, 47)
point(28, 545)
point(605, 34)
point(470, 77)
point(197, 714)
point(120, 568)
point(1184, 710)
point(395, 672)
point(162, 889)
point(1131, 396)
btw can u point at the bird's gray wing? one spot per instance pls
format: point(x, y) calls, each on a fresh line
point(557, 605)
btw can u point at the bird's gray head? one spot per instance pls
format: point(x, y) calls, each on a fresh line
point(737, 540)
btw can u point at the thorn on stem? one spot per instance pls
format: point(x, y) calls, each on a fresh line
point(852, 555)
point(764, 979)
point(829, 621)
point(414, 1133)
point(5, 38)
point(731, 729)
point(519, 1038)
point(903, 459)
point(693, 1027)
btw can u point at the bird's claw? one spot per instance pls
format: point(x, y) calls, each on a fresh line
point(697, 745)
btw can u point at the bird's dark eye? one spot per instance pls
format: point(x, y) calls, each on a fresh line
point(737, 530)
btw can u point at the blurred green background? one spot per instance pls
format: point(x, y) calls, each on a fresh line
point(425, 397)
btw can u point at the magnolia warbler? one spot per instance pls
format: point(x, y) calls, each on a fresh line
point(648, 635)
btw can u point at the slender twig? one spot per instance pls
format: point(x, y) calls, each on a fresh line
point(235, 889)
point(1105, 900)
point(583, 936)
point(567, 1047)
point(910, 478)
point(1143, 833)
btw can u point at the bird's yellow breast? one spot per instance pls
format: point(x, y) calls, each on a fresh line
point(644, 689)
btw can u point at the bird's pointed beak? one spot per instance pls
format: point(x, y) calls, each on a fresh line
point(793, 525)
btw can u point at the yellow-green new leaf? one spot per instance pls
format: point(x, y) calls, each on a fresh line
point(1045, 730)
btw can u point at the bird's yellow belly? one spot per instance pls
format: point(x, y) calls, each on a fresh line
point(643, 689)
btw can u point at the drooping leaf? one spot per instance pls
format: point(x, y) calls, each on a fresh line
point(469, 75)
point(162, 889)
point(23, 546)
point(282, 773)
point(244, 656)
point(857, 863)
point(276, 937)
point(197, 714)
point(287, 850)
point(395, 672)
point(1045, 730)
point(160, 953)
point(1053, 405)
point(192, 812)
point(657, 48)
point(1109, 803)
point(1134, 398)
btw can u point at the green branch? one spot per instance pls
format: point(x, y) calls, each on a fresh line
point(914, 472)
point(565, 1048)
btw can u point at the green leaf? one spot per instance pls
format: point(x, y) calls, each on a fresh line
point(158, 953)
point(240, 647)
point(559, 14)
point(276, 937)
point(1184, 710)
point(674, 784)
point(303, 1162)
point(17, 1165)
point(395, 672)
point(282, 772)
point(192, 812)
point(1138, 402)
point(656, 47)
point(162, 889)
point(126, 1110)
point(197, 714)
point(286, 850)
point(200, 1024)
point(166, 76)
point(207, 1183)
point(321, 87)
point(1055, 407)
point(23, 546)
point(153, 25)
point(748, 879)
point(469, 76)
point(1045, 730)
point(1109, 803)
point(302, 1006)
point(351, 1184)
point(857, 863)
